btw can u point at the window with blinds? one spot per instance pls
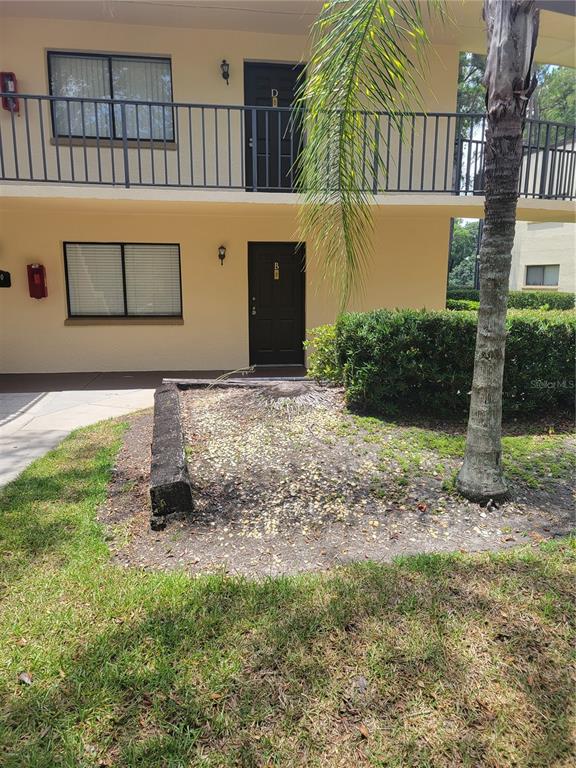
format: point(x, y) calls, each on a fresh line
point(119, 78)
point(123, 280)
point(543, 274)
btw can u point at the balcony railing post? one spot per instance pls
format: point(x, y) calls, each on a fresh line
point(254, 148)
point(125, 145)
point(376, 154)
point(457, 172)
point(544, 170)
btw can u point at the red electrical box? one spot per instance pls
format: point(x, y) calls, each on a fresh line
point(9, 84)
point(37, 281)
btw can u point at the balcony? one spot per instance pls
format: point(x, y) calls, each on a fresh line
point(56, 140)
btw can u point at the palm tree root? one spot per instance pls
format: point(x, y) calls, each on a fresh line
point(482, 486)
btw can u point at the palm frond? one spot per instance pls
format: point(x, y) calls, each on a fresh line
point(366, 58)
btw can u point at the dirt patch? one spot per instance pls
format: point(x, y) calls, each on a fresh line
point(286, 480)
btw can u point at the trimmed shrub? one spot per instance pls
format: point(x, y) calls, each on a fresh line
point(463, 294)
point(540, 300)
point(462, 304)
point(519, 299)
point(322, 357)
point(406, 360)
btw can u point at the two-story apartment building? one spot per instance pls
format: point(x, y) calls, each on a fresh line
point(147, 167)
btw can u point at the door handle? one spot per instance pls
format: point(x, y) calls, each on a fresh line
point(250, 142)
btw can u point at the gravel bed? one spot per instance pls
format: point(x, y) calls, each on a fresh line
point(285, 481)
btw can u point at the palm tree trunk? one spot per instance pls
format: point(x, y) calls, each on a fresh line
point(481, 475)
point(512, 33)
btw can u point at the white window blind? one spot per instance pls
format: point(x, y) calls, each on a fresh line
point(95, 279)
point(121, 78)
point(86, 77)
point(547, 274)
point(152, 279)
point(133, 280)
point(143, 80)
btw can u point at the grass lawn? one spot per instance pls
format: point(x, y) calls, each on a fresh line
point(431, 661)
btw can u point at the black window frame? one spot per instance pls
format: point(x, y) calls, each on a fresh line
point(122, 246)
point(115, 136)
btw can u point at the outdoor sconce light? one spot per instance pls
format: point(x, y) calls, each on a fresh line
point(225, 69)
point(221, 254)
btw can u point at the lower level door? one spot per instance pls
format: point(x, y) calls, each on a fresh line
point(276, 280)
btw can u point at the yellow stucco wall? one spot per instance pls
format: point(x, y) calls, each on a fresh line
point(195, 58)
point(408, 269)
point(196, 55)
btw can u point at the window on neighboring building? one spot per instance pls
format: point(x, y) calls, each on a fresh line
point(121, 78)
point(543, 274)
point(123, 280)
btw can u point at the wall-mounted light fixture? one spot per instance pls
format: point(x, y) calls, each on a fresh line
point(225, 69)
point(221, 254)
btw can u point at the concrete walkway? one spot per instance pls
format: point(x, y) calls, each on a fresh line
point(33, 423)
point(38, 410)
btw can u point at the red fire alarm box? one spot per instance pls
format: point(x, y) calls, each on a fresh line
point(37, 281)
point(9, 84)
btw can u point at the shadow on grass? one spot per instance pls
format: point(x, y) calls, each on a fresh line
point(456, 424)
point(460, 669)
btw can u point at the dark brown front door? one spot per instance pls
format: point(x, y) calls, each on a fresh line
point(276, 303)
point(273, 135)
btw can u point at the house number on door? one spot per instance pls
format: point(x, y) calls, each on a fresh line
point(276, 271)
point(274, 94)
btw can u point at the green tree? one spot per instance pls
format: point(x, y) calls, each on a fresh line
point(463, 243)
point(366, 54)
point(555, 99)
point(471, 93)
point(463, 274)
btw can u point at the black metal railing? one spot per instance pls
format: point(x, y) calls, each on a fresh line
point(52, 139)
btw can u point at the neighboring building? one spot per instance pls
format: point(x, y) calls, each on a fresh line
point(544, 256)
point(154, 184)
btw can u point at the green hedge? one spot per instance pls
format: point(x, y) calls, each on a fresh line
point(405, 360)
point(520, 299)
point(459, 304)
point(463, 294)
point(323, 362)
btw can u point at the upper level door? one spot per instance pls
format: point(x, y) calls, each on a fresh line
point(273, 133)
